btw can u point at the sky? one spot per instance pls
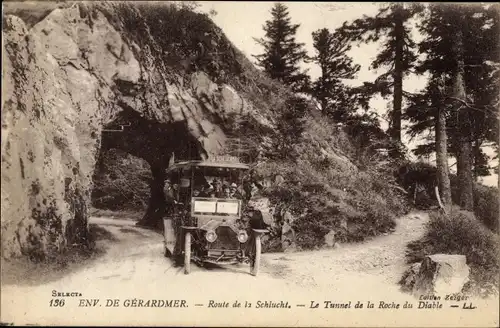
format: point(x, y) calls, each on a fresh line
point(242, 21)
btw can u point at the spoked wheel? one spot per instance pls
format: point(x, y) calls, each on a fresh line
point(255, 261)
point(187, 253)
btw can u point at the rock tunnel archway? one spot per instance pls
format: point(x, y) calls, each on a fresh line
point(67, 78)
point(156, 143)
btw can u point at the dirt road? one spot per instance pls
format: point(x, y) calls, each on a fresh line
point(133, 266)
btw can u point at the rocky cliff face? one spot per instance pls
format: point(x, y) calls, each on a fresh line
point(66, 78)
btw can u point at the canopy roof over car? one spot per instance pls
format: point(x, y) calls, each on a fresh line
point(207, 163)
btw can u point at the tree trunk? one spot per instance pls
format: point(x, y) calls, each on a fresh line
point(464, 158)
point(322, 92)
point(476, 154)
point(398, 77)
point(157, 203)
point(464, 173)
point(442, 159)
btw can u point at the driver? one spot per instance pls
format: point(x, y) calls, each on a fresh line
point(169, 193)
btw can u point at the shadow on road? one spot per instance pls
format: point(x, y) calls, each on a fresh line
point(23, 272)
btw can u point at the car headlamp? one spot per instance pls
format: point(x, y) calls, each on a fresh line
point(211, 236)
point(242, 236)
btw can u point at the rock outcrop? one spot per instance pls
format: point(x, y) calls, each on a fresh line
point(74, 82)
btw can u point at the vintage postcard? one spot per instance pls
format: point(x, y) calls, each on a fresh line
point(237, 163)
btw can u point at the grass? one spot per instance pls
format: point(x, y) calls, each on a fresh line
point(461, 233)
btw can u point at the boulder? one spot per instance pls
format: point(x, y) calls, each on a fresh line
point(330, 239)
point(441, 274)
point(287, 238)
point(287, 232)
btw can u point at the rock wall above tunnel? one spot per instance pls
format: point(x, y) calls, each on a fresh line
point(64, 78)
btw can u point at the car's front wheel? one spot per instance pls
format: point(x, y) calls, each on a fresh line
point(255, 262)
point(187, 253)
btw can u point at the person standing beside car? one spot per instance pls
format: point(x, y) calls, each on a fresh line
point(169, 194)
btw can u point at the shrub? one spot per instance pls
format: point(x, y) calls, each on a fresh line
point(325, 191)
point(486, 205)
point(461, 233)
point(486, 202)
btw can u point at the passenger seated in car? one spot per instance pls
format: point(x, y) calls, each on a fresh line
point(217, 184)
point(227, 192)
point(210, 192)
point(234, 193)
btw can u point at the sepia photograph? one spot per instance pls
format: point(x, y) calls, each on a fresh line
point(250, 164)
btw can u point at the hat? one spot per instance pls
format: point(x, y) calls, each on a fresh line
point(233, 185)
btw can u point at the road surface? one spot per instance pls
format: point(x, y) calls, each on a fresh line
point(133, 267)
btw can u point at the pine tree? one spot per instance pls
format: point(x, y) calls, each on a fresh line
point(391, 24)
point(282, 54)
point(482, 80)
point(459, 42)
point(463, 116)
point(335, 98)
point(427, 111)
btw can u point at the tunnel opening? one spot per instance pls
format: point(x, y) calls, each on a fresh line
point(121, 182)
point(132, 141)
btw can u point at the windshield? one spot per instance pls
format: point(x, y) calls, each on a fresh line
point(217, 182)
point(208, 182)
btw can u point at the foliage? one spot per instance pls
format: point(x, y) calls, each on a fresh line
point(419, 180)
point(174, 35)
point(461, 233)
point(391, 24)
point(382, 27)
point(282, 53)
point(325, 191)
point(481, 78)
point(121, 182)
point(336, 99)
point(290, 126)
point(366, 133)
point(486, 203)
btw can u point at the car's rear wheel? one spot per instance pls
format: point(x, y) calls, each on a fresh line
point(187, 253)
point(255, 263)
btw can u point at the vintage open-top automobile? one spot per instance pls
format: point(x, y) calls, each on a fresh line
point(210, 221)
